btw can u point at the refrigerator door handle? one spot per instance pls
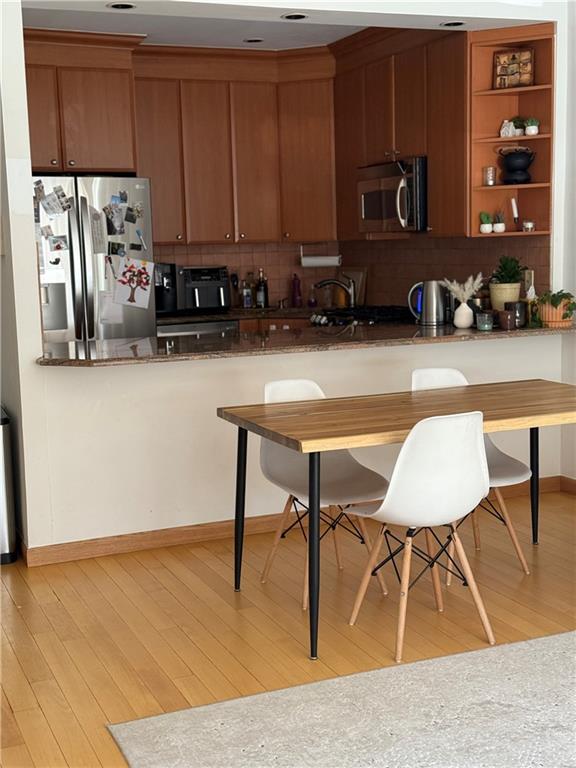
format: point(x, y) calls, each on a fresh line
point(89, 267)
point(76, 252)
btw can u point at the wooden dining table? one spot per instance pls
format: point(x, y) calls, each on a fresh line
point(315, 426)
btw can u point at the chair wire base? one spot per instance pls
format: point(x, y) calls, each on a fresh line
point(430, 560)
point(342, 521)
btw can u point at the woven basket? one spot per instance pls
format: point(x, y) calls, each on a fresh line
point(552, 316)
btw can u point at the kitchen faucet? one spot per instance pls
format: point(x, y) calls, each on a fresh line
point(349, 287)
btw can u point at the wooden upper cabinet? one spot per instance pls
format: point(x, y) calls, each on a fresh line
point(307, 160)
point(379, 111)
point(207, 160)
point(256, 161)
point(44, 118)
point(97, 118)
point(350, 149)
point(448, 132)
point(410, 102)
point(160, 155)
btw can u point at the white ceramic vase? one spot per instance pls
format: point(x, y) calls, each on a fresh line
point(532, 130)
point(485, 229)
point(463, 316)
point(499, 226)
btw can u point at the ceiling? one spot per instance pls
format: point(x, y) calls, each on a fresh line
point(213, 24)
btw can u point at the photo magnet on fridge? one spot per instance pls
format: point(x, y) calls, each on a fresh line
point(130, 215)
point(39, 189)
point(51, 205)
point(46, 231)
point(123, 196)
point(116, 249)
point(115, 200)
point(114, 219)
point(58, 242)
point(135, 247)
point(61, 195)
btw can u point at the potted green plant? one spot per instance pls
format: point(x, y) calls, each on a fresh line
point(505, 282)
point(485, 223)
point(557, 309)
point(519, 123)
point(532, 126)
point(499, 225)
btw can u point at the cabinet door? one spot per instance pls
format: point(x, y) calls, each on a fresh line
point(160, 155)
point(448, 133)
point(207, 161)
point(410, 102)
point(98, 120)
point(307, 160)
point(379, 111)
point(44, 118)
point(256, 167)
point(349, 139)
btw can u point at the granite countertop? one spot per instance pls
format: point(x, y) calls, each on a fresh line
point(313, 339)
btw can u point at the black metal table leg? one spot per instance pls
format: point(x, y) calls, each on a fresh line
point(240, 504)
point(534, 480)
point(314, 549)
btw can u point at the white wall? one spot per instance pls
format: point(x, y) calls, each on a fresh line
point(134, 448)
point(116, 450)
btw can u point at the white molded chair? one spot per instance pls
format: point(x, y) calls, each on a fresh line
point(441, 474)
point(343, 481)
point(502, 469)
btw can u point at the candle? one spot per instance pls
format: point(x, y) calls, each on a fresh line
point(514, 208)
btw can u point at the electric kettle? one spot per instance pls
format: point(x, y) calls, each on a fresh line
point(430, 306)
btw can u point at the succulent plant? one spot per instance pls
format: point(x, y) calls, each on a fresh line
point(485, 217)
point(532, 121)
point(509, 270)
point(499, 217)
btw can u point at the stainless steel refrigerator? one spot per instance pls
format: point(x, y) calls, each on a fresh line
point(95, 260)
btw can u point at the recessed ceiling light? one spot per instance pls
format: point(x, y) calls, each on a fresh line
point(253, 40)
point(121, 6)
point(293, 16)
point(452, 24)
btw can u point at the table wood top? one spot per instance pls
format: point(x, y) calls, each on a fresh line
point(356, 422)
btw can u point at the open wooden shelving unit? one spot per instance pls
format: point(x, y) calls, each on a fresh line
point(489, 107)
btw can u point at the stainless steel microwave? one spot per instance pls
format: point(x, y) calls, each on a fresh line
point(392, 196)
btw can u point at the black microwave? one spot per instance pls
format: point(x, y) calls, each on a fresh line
point(392, 197)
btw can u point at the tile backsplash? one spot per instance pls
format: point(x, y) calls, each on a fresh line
point(279, 261)
point(395, 265)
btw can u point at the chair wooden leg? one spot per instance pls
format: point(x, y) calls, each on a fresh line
point(368, 544)
point(367, 573)
point(449, 563)
point(334, 513)
point(511, 530)
point(434, 573)
point(475, 529)
point(276, 539)
point(404, 586)
point(465, 565)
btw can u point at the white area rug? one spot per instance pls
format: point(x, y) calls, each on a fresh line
point(510, 706)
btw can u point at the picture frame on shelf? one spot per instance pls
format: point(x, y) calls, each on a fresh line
point(513, 68)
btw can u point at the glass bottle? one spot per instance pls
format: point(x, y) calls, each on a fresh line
point(261, 290)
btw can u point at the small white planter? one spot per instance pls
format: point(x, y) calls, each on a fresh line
point(519, 131)
point(485, 229)
point(532, 130)
point(463, 316)
point(499, 226)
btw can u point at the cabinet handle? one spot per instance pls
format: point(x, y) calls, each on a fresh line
point(286, 234)
point(53, 162)
point(387, 154)
point(71, 162)
point(242, 235)
point(227, 236)
point(178, 237)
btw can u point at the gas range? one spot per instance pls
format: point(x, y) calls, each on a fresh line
point(362, 316)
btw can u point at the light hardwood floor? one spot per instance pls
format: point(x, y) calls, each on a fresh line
point(121, 637)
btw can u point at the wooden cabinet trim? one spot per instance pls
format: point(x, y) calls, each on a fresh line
point(227, 64)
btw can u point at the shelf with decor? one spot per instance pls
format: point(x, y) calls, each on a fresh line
point(524, 60)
